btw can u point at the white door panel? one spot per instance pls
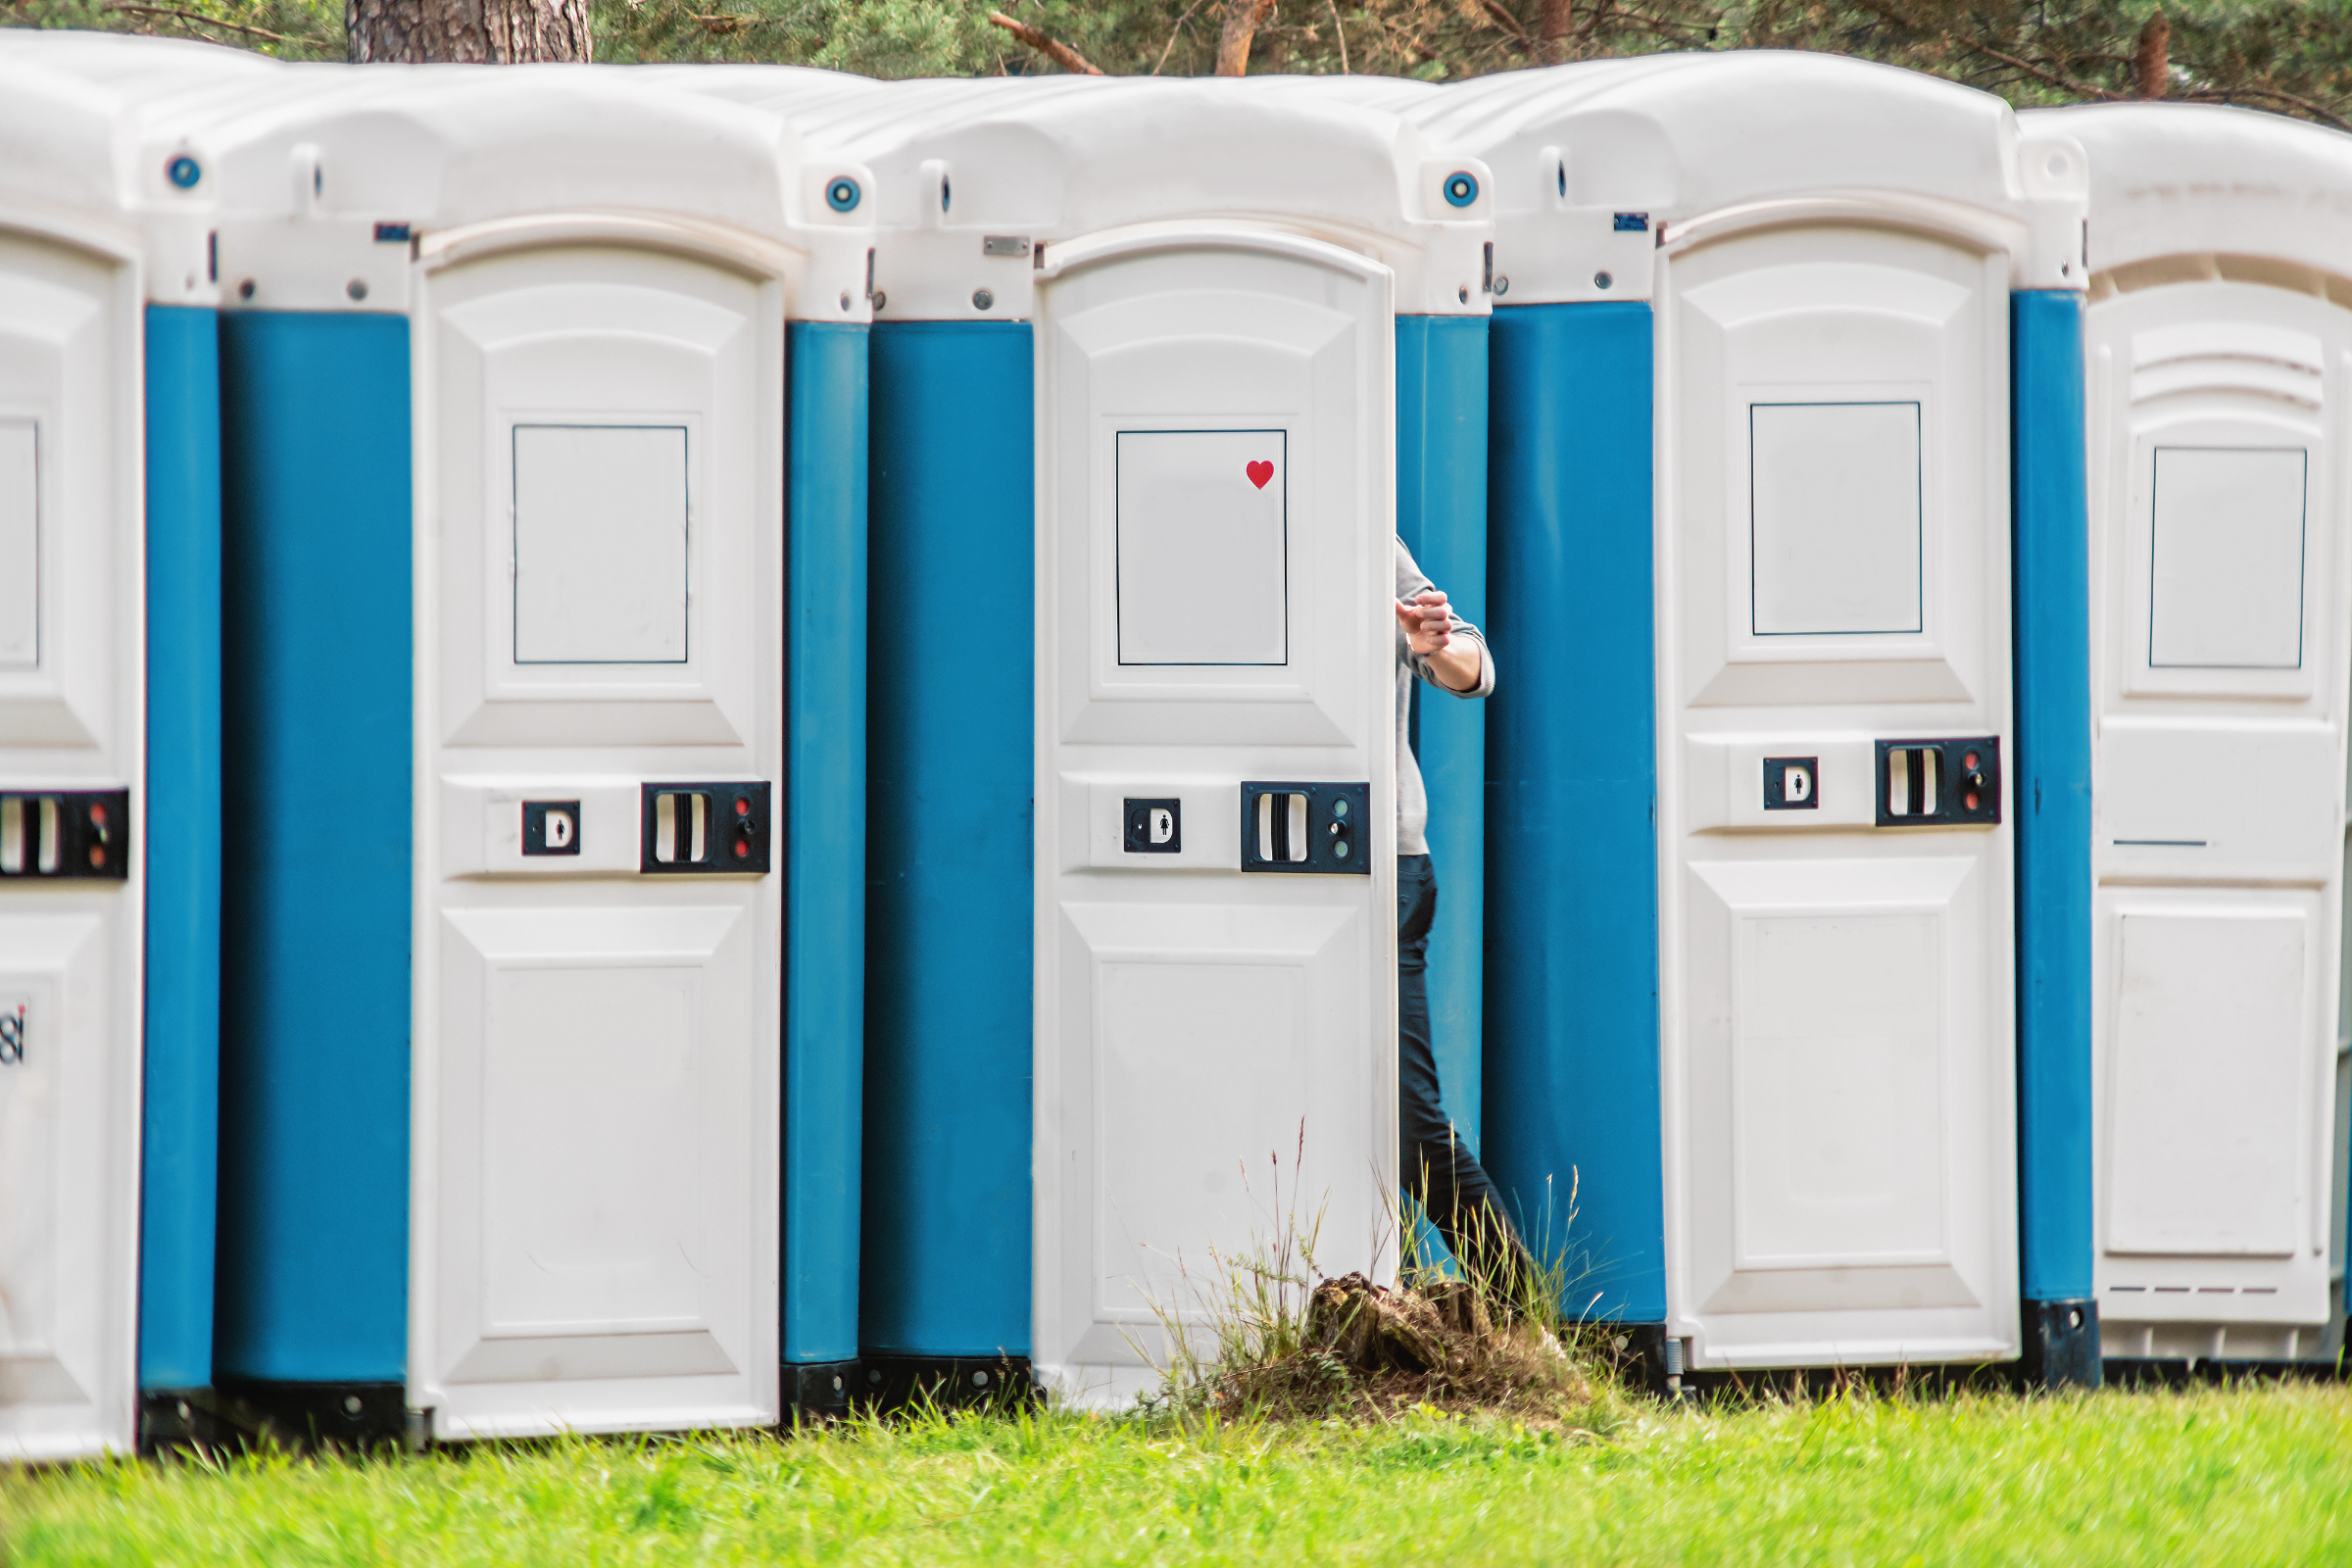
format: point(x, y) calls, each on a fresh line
point(2219, 660)
point(71, 718)
point(1226, 1084)
point(1216, 1067)
point(1836, 991)
point(608, 376)
point(1876, 358)
point(599, 1025)
point(599, 1109)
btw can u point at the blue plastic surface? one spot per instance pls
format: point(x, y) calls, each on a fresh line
point(824, 998)
point(2050, 795)
point(948, 1057)
point(1441, 518)
point(1572, 1086)
point(176, 821)
point(315, 890)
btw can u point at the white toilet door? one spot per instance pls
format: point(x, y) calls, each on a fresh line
point(1215, 1045)
point(600, 572)
point(1835, 912)
point(2218, 636)
point(71, 754)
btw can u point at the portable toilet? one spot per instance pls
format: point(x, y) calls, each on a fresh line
point(109, 513)
point(544, 428)
point(1105, 312)
point(1786, 347)
point(2220, 334)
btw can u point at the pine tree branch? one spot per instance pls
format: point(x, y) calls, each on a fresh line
point(1174, 33)
point(2222, 95)
point(1508, 22)
point(2052, 78)
point(197, 16)
point(1054, 49)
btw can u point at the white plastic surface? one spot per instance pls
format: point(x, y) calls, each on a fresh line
point(601, 554)
point(1215, 1051)
point(1835, 997)
point(1597, 164)
point(19, 543)
point(2228, 535)
point(72, 716)
point(2213, 1171)
point(596, 1157)
point(1836, 512)
point(1045, 161)
point(1203, 560)
point(2180, 181)
point(2221, 672)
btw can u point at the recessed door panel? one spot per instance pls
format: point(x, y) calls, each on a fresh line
point(73, 667)
point(2219, 663)
point(1223, 1084)
point(1835, 938)
point(2206, 1101)
point(1216, 1049)
point(613, 1107)
point(19, 543)
point(592, 404)
point(598, 991)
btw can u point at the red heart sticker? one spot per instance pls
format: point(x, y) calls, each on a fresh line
point(1259, 474)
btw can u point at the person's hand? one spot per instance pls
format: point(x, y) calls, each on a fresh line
point(1426, 621)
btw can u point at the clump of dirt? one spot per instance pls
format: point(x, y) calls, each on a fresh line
point(1368, 1350)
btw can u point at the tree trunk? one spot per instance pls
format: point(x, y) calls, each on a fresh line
point(1554, 23)
point(479, 32)
point(1243, 19)
point(2155, 72)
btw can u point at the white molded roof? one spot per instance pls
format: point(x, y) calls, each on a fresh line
point(443, 145)
point(1052, 157)
point(1680, 134)
point(1673, 137)
point(2170, 179)
point(84, 152)
point(100, 120)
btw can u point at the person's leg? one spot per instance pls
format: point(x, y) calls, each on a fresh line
point(1440, 1171)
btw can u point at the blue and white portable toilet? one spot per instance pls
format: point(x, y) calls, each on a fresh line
point(110, 511)
point(544, 419)
point(2221, 660)
point(1105, 312)
point(1786, 774)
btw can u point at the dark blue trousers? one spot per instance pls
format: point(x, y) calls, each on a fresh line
point(1441, 1173)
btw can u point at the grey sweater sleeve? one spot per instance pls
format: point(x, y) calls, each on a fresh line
point(1412, 799)
point(1410, 580)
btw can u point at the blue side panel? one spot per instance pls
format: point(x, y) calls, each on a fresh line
point(949, 890)
point(314, 893)
point(1572, 1101)
point(824, 1018)
point(179, 1170)
point(2052, 796)
point(1442, 517)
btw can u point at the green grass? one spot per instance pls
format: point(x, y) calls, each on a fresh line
point(2238, 1476)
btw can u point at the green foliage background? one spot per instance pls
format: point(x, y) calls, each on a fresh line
point(2291, 56)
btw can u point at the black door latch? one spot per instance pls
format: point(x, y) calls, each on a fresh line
point(65, 835)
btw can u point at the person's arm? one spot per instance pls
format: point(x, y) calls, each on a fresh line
point(1456, 663)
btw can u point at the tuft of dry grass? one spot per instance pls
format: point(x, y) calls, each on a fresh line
point(1273, 1338)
